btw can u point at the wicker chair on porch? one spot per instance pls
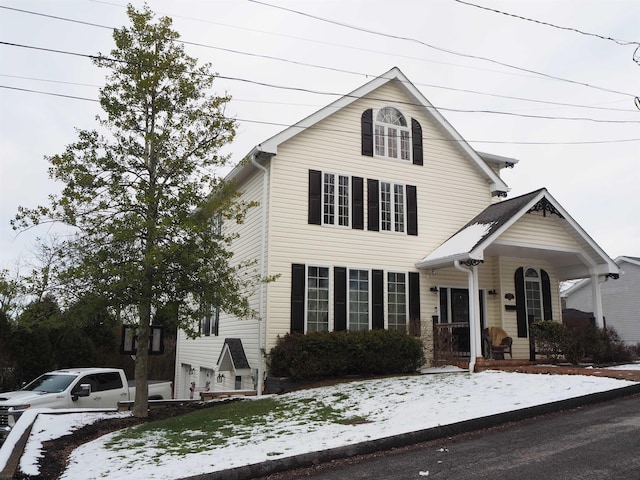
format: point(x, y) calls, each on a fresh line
point(496, 343)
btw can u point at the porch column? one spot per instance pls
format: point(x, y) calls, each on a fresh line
point(471, 269)
point(596, 295)
point(476, 333)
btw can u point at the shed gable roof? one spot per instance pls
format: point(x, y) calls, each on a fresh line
point(233, 351)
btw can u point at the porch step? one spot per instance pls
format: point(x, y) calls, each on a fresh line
point(488, 364)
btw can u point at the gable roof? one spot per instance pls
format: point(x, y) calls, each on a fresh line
point(270, 147)
point(233, 352)
point(471, 241)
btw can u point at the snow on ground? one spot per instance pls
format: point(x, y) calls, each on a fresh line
point(391, 406)
point(629, 366)
point(49, 426)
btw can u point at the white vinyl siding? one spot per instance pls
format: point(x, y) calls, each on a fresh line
point(202, 353)
point(620, 302)
point(293, 240)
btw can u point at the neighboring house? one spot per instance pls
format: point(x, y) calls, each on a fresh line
point(620, 299)
point(376, 213)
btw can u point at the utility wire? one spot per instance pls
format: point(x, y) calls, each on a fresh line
point(395, 55)
point(251, 54)
point(547, 24)
point(347, 132)
point(420, 42)
point(236, 99)
point(318, 92)
point(636, 54)
point(373, 32)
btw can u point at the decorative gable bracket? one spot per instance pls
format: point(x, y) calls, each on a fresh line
point(545, 206)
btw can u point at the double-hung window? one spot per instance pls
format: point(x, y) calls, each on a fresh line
point(335, 199)
point(359, 300)
point(317, 299)
point(397, 301)
point(392, 207)
point(392, 136)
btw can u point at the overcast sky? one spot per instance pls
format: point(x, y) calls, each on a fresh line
point(492, 75)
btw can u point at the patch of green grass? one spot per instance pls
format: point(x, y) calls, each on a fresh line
point(234, 421)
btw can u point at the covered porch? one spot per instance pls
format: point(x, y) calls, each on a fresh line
point(503, 269)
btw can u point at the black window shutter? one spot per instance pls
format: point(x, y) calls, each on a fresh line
point(546, 295)
point(357, 203)
point(340, 298)
point(315, 197)
point(414, 304)
point(372, 205)
point(416, 139)
point(297, 297)
point(521, 303)
point(377, 295)
point(412, 210)
point(367, 132)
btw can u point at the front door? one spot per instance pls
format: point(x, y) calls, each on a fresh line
point(454, 309)
point(460, 316)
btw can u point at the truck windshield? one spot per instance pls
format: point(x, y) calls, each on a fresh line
point(50, 383)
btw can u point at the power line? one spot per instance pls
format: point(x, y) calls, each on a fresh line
point(268, 57)
point(318, 92)
point(636, 54)
point(547, 24)
point(420, 42)
point(395, 55)
point(340, 131)
point(236, 99)
point(50, 93)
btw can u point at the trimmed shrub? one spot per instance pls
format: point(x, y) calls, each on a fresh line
point(337, 354)
point(600, 345)
point(551, 339)
point(611, 349)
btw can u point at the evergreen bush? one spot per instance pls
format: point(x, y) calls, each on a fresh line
point(337, 354)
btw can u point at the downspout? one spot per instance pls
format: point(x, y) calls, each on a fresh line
point(263, 239)
point(472, 312)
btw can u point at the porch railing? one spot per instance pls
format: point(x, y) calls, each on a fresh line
point(451, 340)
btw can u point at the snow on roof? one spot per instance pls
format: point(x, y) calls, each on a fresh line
point(462, 242)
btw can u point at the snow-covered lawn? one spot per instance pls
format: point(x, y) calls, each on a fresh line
point(388, 407)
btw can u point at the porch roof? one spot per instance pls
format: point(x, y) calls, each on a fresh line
point(479, 238)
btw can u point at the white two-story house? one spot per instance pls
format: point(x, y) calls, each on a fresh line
point(375, 213)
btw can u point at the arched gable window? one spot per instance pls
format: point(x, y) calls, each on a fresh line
point(533, 297)
point(389, 134)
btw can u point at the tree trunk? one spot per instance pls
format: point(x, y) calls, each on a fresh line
point(141, 404)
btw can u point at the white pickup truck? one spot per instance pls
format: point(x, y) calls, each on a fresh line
point(74, 388)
